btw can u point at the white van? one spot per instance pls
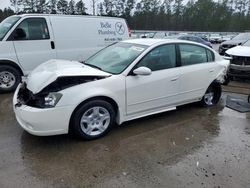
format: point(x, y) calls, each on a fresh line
point(31, 39)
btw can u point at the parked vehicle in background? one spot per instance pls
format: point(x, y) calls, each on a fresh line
point(125, 81)
point(215, 38)
point(226, 38)
point(203, 36)
point(28, 40)
point(239, 61)
point(160, 35)
point(238, 40)
point(195, 39)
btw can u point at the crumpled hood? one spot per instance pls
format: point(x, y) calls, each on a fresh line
point(233, 42)
point(49, 71)
point(239, 51)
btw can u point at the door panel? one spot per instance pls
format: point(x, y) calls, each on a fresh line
point(196, 73)
point(36, 47)
point(195, 80)
point(151, 92)
point(157, 90)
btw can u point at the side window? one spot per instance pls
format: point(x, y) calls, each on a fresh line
point(192, 54)
point(34, 28)
point(163, 57)
point(210, 56)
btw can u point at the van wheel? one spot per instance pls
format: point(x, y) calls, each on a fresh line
point(10, 77)
point(93, 119)
point(212, 95)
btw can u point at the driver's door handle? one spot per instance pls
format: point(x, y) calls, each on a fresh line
point(211, 70)
point(52, 43)
point(174, 79)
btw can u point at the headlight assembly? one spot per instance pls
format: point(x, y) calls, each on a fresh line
point(52, 99)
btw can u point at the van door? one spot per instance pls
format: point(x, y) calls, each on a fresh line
point(33, 42)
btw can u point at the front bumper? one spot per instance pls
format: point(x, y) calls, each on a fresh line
point(42, 122)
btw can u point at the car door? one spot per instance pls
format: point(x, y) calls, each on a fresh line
point(158, 90)
point(35, 46)
point(197, 71)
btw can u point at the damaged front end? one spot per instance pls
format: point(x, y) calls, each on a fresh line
point(49, 96)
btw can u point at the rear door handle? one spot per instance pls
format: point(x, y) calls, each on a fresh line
point(52, 45)
point(175, 78)
point(211, 70)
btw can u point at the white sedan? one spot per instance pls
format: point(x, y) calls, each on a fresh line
point(125, 81)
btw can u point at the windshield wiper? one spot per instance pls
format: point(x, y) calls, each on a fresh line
point(93, 66)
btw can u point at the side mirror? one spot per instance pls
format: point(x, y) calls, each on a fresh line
point(143, 71)
point(19, 34)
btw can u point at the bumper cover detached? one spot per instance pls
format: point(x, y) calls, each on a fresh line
point(42, 121)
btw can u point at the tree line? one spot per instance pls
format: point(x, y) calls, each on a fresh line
point(195, 15)
point(5, 13)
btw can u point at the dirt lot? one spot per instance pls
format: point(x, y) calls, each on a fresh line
point(188, 147)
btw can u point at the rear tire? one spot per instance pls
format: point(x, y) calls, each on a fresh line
point(10, 77)
point(93, 119)
point(212, 95)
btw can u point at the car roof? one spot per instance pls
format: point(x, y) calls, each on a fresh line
point(151, 42)
point(66, 15)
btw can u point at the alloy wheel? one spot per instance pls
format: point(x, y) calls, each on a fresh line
point(95, 121)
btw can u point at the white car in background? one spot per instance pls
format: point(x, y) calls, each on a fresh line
point(240, 61)
point(124, 81)
point(215, 38)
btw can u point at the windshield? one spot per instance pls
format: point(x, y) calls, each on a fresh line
point(116, 58)
point(247, 43)
point(7, 24)
point(242, 36)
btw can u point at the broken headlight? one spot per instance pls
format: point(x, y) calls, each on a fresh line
point(52, 99)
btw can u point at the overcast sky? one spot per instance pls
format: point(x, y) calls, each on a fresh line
point(6, 3)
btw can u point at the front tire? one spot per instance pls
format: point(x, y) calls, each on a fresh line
point(10, 77)
point(212, 95)
point(93, 119)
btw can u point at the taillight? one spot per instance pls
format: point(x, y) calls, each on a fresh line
point(129, 32)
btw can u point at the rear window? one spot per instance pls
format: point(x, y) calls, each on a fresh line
point(193, 54)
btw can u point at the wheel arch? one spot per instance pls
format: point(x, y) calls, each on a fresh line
point(105, 98)
point(12, 64)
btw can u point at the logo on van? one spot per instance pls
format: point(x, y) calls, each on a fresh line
point(119, 27)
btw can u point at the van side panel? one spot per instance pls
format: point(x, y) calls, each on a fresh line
point(79, 37)
point(8, 52)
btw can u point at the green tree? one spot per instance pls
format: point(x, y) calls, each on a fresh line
point(80, 8)
point(62, 6)
point(71, 7)
point(52, 6)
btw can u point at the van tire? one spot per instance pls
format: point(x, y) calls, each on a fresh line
point(10, 77)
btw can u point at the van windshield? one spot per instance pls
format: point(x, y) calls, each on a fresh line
point(116, 58)
point(7, 24)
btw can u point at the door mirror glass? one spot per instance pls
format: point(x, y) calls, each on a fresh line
point(143, 71)
point(19, 34)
